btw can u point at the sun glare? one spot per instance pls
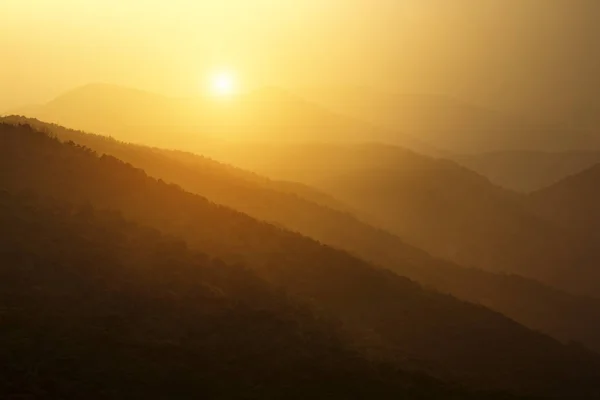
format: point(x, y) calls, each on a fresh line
point(223, 84)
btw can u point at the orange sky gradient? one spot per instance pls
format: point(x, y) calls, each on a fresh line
point(533, 56)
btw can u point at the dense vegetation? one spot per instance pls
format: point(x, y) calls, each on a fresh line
point(94, 306)
point(389, 315)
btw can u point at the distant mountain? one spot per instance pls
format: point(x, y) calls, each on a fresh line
point(433, 204)
point(268, 114)
point(307, 211)
point(124, 112)
point(527, 171)
point(383, 314)
point(573, 204)
point(449, 123)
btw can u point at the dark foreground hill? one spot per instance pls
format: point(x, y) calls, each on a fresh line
point(384, 314)
point(307, 211)
point(94, 306)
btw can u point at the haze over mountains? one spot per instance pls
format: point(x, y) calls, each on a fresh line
point(572, 204)
point(311, 213)
point(427, 189)
point(431, 124)
point(536, 59)
point(324, 199)
point(434, 204)
point(512, 151)
point(269, 114)
point(381, 205)
point(449, 123)
point(528, 171)
point(400, 316)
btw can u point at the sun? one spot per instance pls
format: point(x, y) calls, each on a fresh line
point(223, 84)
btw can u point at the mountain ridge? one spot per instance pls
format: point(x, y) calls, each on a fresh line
point(365, 299)
point(527, 302)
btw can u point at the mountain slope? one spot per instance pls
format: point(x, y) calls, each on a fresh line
point(434, 204)
point(219, 180)
point(99, 307)
point(527, 171)
point(573, 204)
point(389, 315)
point(530, 303)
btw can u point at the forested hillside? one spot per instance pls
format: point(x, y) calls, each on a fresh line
point(305, 210)
point(94, 306)
point(385, 314)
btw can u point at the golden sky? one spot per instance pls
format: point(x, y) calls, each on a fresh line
point(509, 52)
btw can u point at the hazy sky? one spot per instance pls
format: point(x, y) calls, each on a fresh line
point(522, 54)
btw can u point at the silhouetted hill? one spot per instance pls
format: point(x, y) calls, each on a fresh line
point(434, 204)
point(532, 304)
point(573, 204)
point(100, 307)
point(222, 183)
point(268, 114)
point(527, 171)
point(387, 314)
